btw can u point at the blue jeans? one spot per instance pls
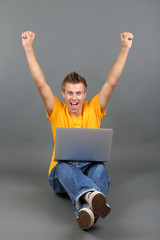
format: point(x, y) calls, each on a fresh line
point(78, 178)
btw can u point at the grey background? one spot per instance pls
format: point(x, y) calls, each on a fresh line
point(83, 36)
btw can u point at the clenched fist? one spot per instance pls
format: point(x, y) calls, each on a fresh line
point(27, 39)
point(126, 39)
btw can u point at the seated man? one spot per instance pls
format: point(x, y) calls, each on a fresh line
point(85, 183)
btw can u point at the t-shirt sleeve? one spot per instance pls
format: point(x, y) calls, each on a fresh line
point(56, 107)
point(96, 106)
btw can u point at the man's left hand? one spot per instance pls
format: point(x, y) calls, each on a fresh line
point(126, 39)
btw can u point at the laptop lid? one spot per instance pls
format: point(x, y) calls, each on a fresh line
point(83, 144)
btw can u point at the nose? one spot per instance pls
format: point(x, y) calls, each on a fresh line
point(74, 96)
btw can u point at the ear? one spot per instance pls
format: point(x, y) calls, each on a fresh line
point(85, 94)
point(63, 94)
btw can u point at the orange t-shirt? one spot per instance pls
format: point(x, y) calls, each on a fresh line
point(90, 117)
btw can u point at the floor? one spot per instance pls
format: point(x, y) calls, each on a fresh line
point(29, 209)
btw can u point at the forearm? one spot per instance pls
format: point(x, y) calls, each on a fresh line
point(118, 67)
point(35, 69)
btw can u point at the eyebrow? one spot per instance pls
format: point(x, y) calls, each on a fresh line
point(72, 92)
point(79, 92)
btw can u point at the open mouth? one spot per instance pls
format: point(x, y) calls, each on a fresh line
point(74, 104)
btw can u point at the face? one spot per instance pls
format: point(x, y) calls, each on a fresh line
point(74, 96)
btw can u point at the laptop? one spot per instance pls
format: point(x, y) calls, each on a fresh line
point(83, 144)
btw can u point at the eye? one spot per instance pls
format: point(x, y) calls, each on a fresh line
point(79, 93)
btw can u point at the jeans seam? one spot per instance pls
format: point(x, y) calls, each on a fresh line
point(68, 192)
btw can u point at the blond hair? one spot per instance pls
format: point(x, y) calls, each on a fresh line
point(73, 78)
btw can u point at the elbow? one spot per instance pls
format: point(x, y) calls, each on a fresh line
point(113, 79)
point(40, 82)
point(113, 82)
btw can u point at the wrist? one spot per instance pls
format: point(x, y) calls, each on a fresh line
point(125, 49)
point(28, 49)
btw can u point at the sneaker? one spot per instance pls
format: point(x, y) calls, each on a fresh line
point(97, 202)
point(85, 218)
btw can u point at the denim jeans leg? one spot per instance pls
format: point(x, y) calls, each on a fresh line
point(98, 173)
point(67, 177)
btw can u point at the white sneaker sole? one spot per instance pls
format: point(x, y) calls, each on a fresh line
point(97, 202)
point(85, 218)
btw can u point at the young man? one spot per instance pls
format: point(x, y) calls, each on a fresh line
point(85, 183)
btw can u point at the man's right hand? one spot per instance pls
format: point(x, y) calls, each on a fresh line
point(27, 39)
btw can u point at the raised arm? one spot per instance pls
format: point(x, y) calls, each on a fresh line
point(116, 71)
point(36, 71)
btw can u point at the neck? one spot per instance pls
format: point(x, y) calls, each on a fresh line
point(76, 114)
